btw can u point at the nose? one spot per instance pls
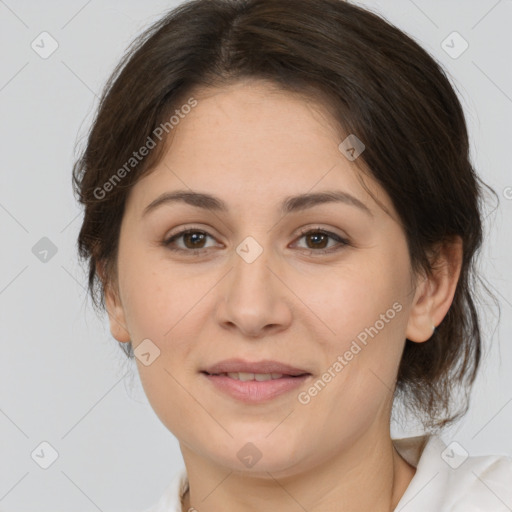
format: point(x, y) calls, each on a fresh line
point(254, 298)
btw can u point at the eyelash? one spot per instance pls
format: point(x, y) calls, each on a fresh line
point(342, 241)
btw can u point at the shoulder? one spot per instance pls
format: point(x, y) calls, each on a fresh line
point(449, 479)
point(482, 482)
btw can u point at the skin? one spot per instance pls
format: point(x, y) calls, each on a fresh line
point(252, 145)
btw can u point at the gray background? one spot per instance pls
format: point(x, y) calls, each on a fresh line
point(64, 379)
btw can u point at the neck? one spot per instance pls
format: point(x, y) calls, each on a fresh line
point(365, 475)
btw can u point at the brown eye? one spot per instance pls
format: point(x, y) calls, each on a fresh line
point(317, 241)
point(193, 240)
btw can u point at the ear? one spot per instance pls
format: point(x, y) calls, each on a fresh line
point(434, 295)
point(114, 306)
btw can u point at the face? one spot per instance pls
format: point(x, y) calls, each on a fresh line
point(323, 287)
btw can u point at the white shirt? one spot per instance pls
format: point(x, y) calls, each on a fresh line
point(446, 480)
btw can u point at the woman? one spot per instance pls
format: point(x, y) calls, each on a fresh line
point(281, 220)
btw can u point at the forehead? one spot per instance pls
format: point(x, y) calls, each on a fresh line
point(253, 140)
point(249, 114)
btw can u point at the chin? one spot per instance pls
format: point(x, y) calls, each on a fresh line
point(260, 454)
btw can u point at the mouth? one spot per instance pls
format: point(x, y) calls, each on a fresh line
point(247, 370)
point(255, 382)
point(260, 377)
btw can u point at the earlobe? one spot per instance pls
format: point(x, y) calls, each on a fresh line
point(434, 294)
point(114, 307)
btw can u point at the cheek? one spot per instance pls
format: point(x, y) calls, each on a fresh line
point(365, 308)
point(350, 299)
point(150, 293)
point(147, 309)
point(160, 307)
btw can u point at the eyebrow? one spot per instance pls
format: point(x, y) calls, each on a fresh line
point(289, 205)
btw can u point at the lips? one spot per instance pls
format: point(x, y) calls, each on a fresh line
point(245, 370)
point(244, 376)
point(255, 383)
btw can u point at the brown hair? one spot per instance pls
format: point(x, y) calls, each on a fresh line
point(375, 81)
